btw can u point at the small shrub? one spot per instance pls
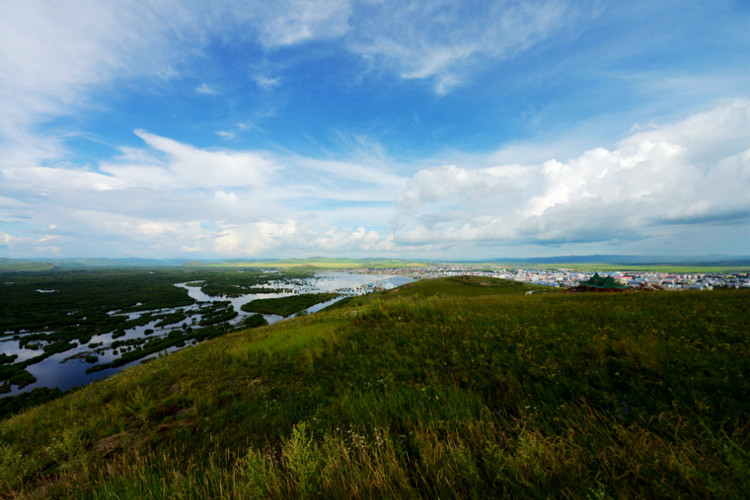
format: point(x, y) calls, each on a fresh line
point(260, 474)
point(255, 320)
point(302, 458)
point(13, 467)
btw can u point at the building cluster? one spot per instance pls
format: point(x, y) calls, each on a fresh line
point(571, 278)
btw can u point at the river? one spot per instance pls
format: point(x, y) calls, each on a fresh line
point(68, 369)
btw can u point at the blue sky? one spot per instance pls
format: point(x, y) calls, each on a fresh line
point(364, 128)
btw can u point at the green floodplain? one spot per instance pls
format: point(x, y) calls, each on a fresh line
point(286, 306)
point(55, 311)
point(457, 387)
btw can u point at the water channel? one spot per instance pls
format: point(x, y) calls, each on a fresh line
point(68, 369)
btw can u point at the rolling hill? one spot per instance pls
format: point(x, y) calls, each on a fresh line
point(446, 388)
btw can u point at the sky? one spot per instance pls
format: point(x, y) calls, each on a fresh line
point(436, 130)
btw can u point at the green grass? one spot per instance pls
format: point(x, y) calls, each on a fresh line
point(457, 286)
point(79, 304)
point(419, 395)
point(469, 286)
point(16, 266)
point(286, 306)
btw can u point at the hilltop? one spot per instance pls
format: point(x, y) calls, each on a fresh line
point(468, 286)
point(456, 387)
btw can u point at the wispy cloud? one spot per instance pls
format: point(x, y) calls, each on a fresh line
point(200, 168)
point(52, 54)
point(208, 201)
point(290, 22)
point(226, 135)
point(434, 40)
point(695, 171)
point(204, 88)
point(267, 83)
point(322, 131)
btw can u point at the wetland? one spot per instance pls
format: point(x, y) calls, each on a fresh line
point(64, 329)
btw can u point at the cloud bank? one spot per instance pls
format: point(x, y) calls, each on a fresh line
point(695, 171)
point(283, 128)
point(650, 186)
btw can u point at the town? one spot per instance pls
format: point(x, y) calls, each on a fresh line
point(571, 278)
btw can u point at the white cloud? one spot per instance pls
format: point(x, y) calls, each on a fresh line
point(357, 241)
point(695, 171)
point(47, 238)
point(6, 238)
point(452, 185)
point(226, 198)
point(378, 175)
point(43, 179)
point(204, 88)
point(7, 202)
point(288, 22)
point(187, 166)
point(53, 53)
point(253, 239)
point(226, 135)
point(54, 57)
point(138, 175)
point(21, 246)
point(442, 40)
point(170, 198)
point(267, 83)
point(154, 229)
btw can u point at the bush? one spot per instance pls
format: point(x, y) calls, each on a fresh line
point(255, 320)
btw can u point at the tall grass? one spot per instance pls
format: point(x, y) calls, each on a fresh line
point(577, 396)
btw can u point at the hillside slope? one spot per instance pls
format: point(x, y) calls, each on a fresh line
point(402, 395)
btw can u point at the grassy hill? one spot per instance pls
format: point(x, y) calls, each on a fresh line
point(456, 286)
point(15, 265)
point(438, 390)
point(468, 286)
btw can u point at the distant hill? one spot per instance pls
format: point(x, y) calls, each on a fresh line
point(82, 263)
point(19, 265)
point(719, 261)
point(645, 260)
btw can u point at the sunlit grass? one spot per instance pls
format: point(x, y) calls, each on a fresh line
point(411, 396)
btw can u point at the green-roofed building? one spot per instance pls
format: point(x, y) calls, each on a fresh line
point(600, 284)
